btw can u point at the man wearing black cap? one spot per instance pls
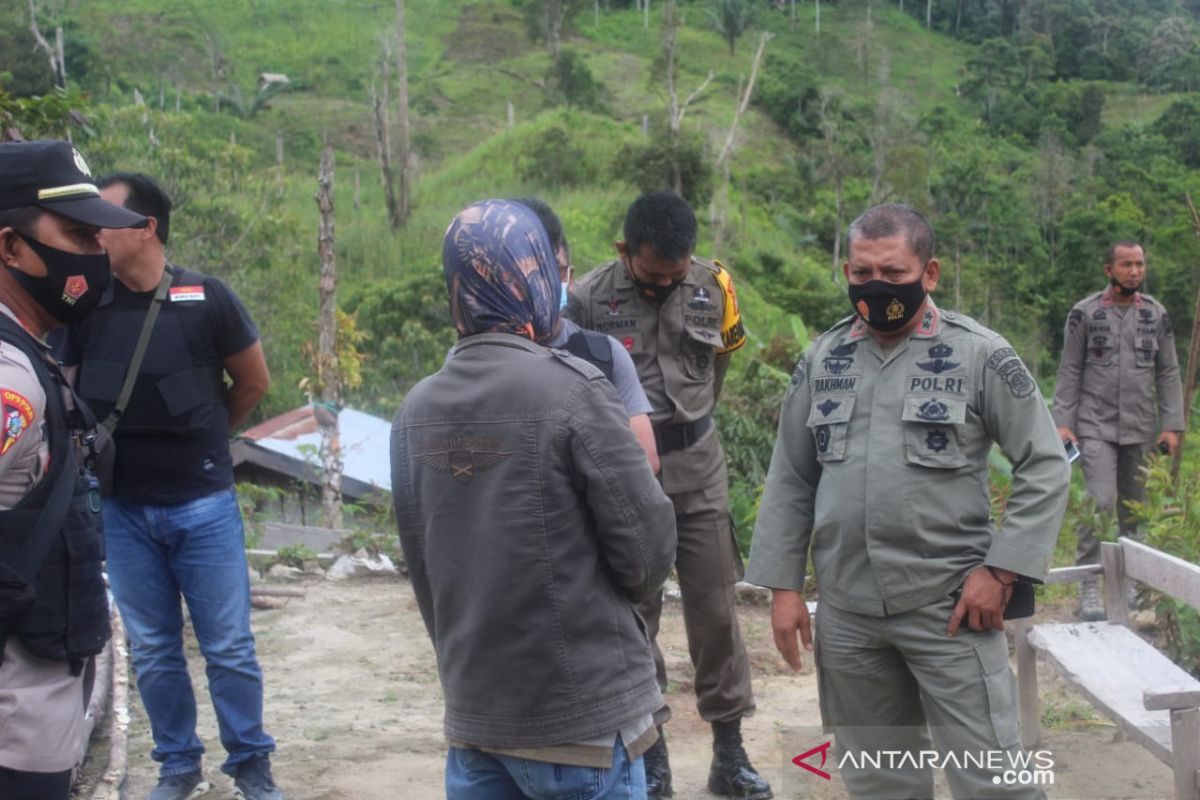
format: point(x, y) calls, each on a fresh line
point(53, 606)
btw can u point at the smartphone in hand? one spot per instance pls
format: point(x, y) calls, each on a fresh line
point(1072, 450)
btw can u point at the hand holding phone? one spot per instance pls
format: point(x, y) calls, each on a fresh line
point(1072, 450)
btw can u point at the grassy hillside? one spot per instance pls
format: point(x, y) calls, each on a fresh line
point(1025, 171)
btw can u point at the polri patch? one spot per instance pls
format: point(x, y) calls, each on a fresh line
point(18, 415)
point(183, 294)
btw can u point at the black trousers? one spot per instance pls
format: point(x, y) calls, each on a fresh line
point(16, 785)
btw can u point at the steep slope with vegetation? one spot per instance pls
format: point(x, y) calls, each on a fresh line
point(1032, 133)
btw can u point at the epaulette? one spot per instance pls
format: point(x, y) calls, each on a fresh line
point(589, 371)
point(714, 266)
point(968, 323)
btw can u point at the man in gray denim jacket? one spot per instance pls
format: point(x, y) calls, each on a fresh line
point(531, 524)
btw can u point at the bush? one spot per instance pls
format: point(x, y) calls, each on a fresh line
point(648, 166)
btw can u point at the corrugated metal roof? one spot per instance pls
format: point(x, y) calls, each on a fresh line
point(296, 436)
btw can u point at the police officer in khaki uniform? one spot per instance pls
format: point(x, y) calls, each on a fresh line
point(53, 604)
point(881, 468)
point(678, 317)
point(1118, 368)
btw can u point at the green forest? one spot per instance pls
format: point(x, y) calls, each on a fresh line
point(1033, 133)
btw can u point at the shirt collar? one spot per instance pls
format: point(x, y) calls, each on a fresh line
point(1107, 298)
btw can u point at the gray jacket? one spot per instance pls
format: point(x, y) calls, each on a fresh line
point(531, 524)
point(1119, 375)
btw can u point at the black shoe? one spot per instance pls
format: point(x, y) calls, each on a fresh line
point(731, 774)
point(658, 769)
point(253, 781)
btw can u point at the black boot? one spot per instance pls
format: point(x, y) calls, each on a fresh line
point(731, 774)
point(658, 769)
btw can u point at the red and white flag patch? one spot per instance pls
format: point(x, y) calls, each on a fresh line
point(181, 294)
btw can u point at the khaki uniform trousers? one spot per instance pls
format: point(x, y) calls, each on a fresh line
point(887, 683)
point(1111, 474)
point(708, 564)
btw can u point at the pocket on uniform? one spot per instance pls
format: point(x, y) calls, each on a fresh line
point(1146, 352)
point(829, 421)
point(188, 399)
point(698, 352)
point(930, 431)
point(1001, 689)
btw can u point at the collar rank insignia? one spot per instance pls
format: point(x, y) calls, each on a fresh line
point(933, 411)
point(937, 440)
point(938, 355)
point(701, 300)
point(840, 357)
point(828, 407)
point(614, 304)
point(462, 465)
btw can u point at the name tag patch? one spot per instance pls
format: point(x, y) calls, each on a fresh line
point(182, 294)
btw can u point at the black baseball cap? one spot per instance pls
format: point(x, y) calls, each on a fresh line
point(52, 174)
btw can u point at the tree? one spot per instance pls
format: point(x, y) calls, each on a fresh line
point(328, 377)
point(672, 22)
point(730, 18)
point(403, 156)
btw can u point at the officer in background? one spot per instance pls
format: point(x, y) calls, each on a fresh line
point(172, 523)
point(1118, 367)
point(678, 317)
point(881, 466)
point(53, 603)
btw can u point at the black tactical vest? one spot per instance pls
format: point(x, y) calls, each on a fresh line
point(592, 347)
point(68, 618)
point(178, 392)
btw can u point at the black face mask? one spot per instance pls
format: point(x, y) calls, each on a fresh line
point(1125, 290)
point(73, 282)
point(656, 291)
point(887, 307)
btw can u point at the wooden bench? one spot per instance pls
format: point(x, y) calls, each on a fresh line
point(1155, 702)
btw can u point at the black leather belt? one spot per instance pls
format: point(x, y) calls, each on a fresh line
point(670, 438)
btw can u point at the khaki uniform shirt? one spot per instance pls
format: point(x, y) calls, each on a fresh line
point(1119, 375)
point(674, 347)
point(41, 704)
point(881, 466)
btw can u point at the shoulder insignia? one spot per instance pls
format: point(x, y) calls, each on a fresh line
point(1073, 320)
point(18, 416)
point(1008, 366)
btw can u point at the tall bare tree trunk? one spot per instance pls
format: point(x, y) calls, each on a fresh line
point(383, 138)
point(719, 209)
point(328, 377)
point(675, 108)
point(928, 14)
point(817, 15)
point(54, 53)
point(403, 156)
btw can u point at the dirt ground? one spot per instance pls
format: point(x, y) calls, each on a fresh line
point(354, 702)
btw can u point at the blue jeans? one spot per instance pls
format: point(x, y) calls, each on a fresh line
point(197, 549)
point(476, 775)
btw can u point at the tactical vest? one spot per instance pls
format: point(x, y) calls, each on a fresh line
point(595, 348)
point(178, 391)
point(68, 616)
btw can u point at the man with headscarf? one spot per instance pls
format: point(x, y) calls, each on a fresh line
point(531, 524)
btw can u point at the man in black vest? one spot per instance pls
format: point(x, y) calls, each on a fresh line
point(172, 523)
point(53, 606)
